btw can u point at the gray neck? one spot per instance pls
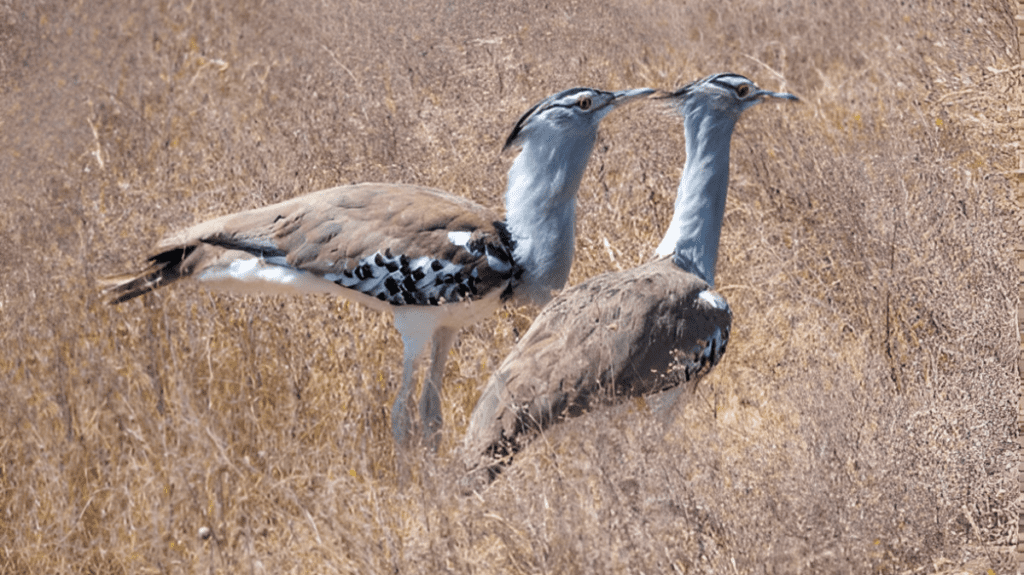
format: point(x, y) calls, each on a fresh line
point(540, 205)
point(700, 201)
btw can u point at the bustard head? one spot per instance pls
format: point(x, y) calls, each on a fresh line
point(575, 112)
point(727, 94)
point(710, 108)
point(556, 137)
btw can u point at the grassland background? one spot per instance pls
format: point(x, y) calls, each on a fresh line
point(862, 420)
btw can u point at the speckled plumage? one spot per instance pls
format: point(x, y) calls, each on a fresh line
point(654, 329)
point(615, 335)
point(356, 237)
point(437, 262)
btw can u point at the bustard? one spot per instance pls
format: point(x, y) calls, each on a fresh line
point(436, 261)
point(658, 327)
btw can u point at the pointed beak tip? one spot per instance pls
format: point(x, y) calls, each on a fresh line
point(765, 94)
point(624, 96)
point(665, 95)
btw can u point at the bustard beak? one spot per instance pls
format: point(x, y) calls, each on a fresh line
point(598, 112)
point(687, 89)
point(620, 98)
point(624, 96)
point(780, 95)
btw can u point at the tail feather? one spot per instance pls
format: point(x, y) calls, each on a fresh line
point(164, 268)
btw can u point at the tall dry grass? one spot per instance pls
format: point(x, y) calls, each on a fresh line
point(861, 421)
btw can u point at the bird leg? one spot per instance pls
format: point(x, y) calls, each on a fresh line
point(430, 402)
point(401, 411)
point(667, 405)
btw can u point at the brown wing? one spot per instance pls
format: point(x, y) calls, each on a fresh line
point(386, 240)
point(616, 335)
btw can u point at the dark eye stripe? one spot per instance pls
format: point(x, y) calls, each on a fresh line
point(545, 104)
point(724, 76)
point(719, 80)
point(725, 85)
point(569, 105)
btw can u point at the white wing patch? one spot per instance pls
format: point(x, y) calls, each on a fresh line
point(251, 270)
point(459, 238)
point(255, 275)
point(714, 300)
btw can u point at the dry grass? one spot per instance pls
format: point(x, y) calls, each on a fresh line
point(862, 421)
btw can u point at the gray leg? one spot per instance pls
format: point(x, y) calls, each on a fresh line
point(430, 401)
point(401, 411)
point(668, 404)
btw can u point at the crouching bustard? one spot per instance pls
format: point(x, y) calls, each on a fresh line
point(659, 327)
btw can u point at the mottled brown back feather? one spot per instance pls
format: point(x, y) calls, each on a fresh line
point(615, 335)
point(329, 231)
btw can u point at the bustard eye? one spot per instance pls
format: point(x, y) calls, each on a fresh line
point(742, 90)
point(584, 103)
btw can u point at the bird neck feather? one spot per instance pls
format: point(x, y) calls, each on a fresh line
point(696, 223)
point(540, 205)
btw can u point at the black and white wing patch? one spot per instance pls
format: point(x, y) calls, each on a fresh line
point(695, 362)
point(398, 279)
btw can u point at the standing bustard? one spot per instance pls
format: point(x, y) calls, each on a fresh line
point(646, 330)
point(436, 261)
